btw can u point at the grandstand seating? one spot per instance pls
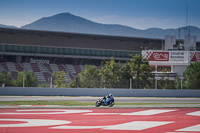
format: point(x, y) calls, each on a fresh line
point(11, 66)
point(71, 69)
point(27, 67)
point(77, 68)
point(40, 76)
point(54, 67)
point(18, 67)
point(43, 71)
point(47, 76)
point(35, 67)
point(48, 67)
point(4, 67)
point(61, 67)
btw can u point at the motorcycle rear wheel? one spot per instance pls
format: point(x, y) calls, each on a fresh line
point(97, 104)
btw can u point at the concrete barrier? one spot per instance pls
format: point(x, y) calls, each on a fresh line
point(97, 92)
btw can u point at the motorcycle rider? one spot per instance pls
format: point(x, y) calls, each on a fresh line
point(107, 98)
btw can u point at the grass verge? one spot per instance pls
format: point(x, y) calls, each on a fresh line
point(65, 103)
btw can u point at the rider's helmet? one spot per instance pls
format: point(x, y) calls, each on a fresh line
point(110, 95)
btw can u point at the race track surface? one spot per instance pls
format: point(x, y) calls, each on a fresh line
point(139, 120)
point(93, 99)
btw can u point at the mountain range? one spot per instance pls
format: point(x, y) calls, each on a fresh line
point(6, 26)
point(67, 22)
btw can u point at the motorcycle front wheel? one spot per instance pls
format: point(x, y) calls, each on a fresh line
point(111, 103)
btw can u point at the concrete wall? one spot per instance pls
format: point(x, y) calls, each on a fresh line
point(97, 92)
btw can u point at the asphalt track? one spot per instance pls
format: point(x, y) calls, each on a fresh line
point(140, 120)
point(88, 119)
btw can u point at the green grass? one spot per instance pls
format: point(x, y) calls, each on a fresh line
point(66, 103)
point(73, 103)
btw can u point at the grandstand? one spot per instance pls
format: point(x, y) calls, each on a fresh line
point(45, 52)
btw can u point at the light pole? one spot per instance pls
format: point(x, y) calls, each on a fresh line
point(181, 82)
point(51, 82)
point(156, 84)
point(104, 84)
point(130, 83)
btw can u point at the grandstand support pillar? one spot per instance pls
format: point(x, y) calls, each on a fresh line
point(172, 68)
point(156, 68)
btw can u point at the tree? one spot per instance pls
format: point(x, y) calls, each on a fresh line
point(110, 73)
point(60, 81)
point(165, 82)
point(89, 77)
point(177, 83)
point(29, 79)
point(6, 79)
point(139, 69)
point(191, 76)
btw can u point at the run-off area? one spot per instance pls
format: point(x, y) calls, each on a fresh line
point(170, 120)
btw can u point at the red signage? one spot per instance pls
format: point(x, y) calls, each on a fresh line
point(195, 56)
point(159, 56)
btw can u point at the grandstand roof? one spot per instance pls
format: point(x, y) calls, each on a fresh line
point(76, 40)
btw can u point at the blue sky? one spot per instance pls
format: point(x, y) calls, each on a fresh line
point(140, 14)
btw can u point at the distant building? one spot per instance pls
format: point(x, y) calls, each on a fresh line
point(174, 60)
point(45, 52)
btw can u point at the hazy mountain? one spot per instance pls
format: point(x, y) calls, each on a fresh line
point(67, 22)
point(70, 23)
point(6, 26)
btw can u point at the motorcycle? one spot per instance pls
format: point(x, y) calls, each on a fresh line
point(102, 102)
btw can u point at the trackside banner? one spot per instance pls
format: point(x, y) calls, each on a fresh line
point(172, 56)
point(179, 56)
point(195, 56)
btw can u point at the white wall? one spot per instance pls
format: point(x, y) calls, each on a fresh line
point(179, 69)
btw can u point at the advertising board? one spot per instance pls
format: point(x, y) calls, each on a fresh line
point(179, 56)
point(171, 56)
point(194, 56)
point(159, 56)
